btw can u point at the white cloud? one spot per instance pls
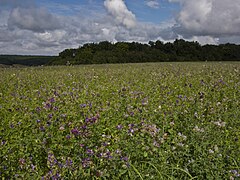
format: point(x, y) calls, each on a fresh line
point(152, 4)
point(209, 17)
point(34, 19)
point(119, 10)
point(30, 29)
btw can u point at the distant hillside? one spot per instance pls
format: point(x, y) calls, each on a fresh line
point(25, 60)
point(134, 52)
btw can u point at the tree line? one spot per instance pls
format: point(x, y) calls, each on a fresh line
point(135, 52)
point(25, 60)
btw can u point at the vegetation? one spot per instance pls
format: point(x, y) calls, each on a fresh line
point(122, 121)
point(125, 52)
point(24, 60)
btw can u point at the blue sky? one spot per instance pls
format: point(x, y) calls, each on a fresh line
point(164, 11)
point(48, 27)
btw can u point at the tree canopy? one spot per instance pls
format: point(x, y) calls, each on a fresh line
point(135, 52)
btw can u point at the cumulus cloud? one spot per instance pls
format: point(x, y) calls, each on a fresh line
point(119, 10)
point(209, 17)
point(153, 4)
point(34, 19)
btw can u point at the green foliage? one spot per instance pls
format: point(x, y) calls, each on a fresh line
point(25, 60)
point(122, 121)
point(134, 52)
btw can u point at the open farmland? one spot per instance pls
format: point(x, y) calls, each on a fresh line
point(130, 121)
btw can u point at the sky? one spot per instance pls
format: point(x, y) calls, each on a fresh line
point(41, 27)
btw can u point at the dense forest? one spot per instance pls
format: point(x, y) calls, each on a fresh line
point(131, 52)
point(11, 60)
point(134, 52)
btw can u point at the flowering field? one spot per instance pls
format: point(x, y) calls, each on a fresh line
point(131, 121)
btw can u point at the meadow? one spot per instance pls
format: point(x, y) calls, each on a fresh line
point(121, 121)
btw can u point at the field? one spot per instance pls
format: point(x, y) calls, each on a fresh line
point(129, 121)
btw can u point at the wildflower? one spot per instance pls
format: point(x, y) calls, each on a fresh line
point(42, 128)
point(86, 162)
point(38, 109)
point(55, 108)
point(180, 144)
point(33, 167)
point(235, 173)
point(90, 152)
point(119, 127)
point(125, 158)
point(69, 162)
point(131, 131)
point(83, 105)
point(75, 131)
point(52, 100)
point(50, 116)
point(131, 113)
point(183, 136)
point(197, 129)
point(210, 151)
point(220, 123)
point(118, 151)
point(144, 101)
point(3, 142)
point(47, 106)
point(172, 123)
point(155, 143)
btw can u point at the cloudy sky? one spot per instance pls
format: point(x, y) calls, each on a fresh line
point(46, 27)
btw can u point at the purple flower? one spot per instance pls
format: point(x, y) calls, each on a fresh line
point(69, 162)
point(33, 167)
point(131, 125)
point(86, 162)
point(48, 106)
point(125, 158)
point(3, 142)
point(81, 145)
point(38, 109)
point(83, 105)
point(118, 151)
point(131, 131)
point(52, 100)
point(50, 116)
point(119, 127)
point(75, 131)
point(55, 93)
point(55, 108)
point(42, 128)
point(90, 152)
point(38, 121)
point(84, 127)
point(68, 136)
